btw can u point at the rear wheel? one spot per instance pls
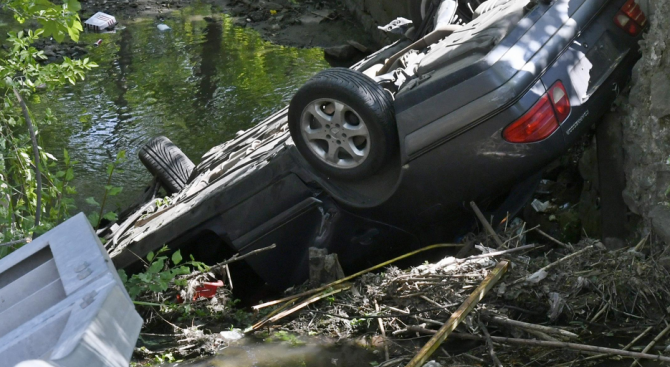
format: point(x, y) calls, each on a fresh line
point(343, 123)
point(167, 162)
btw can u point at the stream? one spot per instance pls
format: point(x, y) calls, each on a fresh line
point(198, 84)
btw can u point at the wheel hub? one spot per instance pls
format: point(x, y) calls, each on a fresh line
point(335, 133)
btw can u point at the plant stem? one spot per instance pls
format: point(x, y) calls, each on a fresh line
point(104, 197)
point(36, 153)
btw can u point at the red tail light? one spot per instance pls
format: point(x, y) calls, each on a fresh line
point(542, 119)
point(631, 18)
point(560, 100)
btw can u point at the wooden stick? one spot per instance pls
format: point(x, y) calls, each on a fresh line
point(498, 253)
point(16, 242)
point(489, 343)
point(350, 277)
point(486, 224)
point(303, 304)
point(653, 342)
point(434, 343)
point(627, 347)
point(525, 325)
point(233, 259)
point(552, 239)
point(563, 259)
point(383, 330)
point(542, 343)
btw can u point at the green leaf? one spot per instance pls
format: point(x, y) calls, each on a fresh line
point(111, 216)
point(91, 201)
point(150, 256)
point(123, 276)
point(94, 218)
point(69, 174)
point(176, 257)
point(156, 266)
point(113, 190)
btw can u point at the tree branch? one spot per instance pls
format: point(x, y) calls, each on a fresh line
point(36, 153)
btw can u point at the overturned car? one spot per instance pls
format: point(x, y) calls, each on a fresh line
point(381, 158)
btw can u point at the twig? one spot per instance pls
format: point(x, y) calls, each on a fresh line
point(15, 242)
point(36, 154)
point(627, 347)
point(486, 224)
point(468, 305)
point(383, 330)
point(653, 342)
point(552, 239)
point(641, 243)
point(542, 343)
point(498, 253)
point(525, 325)
point(350, 277)
point(299, 306)
point(233, 259)
point(489, 343)
point(563, 259)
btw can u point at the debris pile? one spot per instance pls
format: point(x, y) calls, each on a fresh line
point(555, 303)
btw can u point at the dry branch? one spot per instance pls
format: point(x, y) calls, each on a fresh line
point(350, 277)
point(486, 224)
point(653, 342)
point(458, 316)
point(525, 325)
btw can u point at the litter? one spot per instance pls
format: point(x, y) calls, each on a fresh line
point(100, 21)
point(163, 27)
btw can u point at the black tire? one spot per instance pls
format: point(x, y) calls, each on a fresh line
point(415, 11)
point(366, 98)
point(167, 162)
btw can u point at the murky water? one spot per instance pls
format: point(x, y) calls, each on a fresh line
point(197, 84)
point(308, 353)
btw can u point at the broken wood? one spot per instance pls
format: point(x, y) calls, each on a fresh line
point(15, 242)
point(552, 239)
point(324, 268)
point(542, 343)
point(598, 356)
point(489, 343)
point(383, 330)
point(486, 224)
point(653, 342)
point(350, 277)
point(301, 305)
point(524, 325)
point(434, 343)
point(236, 257)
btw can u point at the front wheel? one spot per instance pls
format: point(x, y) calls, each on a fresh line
point(343, 123)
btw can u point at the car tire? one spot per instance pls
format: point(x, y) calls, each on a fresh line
point(343, 123)
point(417, 10)
point(167, 162)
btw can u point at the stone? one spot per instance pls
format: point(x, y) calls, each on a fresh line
point(324, 268)
point(660, 222)
point(432, 364)
point(273, 6)
point(660, 94)
point(341, 53)
point(310, 19)
point(359, 46)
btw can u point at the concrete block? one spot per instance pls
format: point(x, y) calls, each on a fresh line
point(63, 304)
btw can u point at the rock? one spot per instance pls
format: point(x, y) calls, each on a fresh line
point(358, 46)
point(310, 19)
point(660, 222)
point(240, 22)
point(660, 94)
point(432, 364)
point(231, 335)
point(324, 268)
point(341, 53)
point(273, 6)
point(275, 27)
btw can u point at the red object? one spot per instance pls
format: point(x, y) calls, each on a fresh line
point(206, 290)
point(631, 18)
point(98, 42)
point(542, 119)
point(560, 100)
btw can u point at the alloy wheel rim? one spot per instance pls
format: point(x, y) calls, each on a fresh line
point(335, 133)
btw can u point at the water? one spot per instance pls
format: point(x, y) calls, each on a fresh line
point(197, 84)
point(309, 353)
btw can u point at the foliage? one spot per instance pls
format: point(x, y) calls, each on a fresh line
point(23, 74)
point(96, 217)
point(160, 273)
